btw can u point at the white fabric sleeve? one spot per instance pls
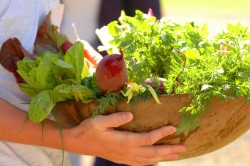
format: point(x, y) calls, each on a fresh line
point(21, 19)
point(10, 92)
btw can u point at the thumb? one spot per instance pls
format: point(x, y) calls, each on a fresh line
point(113, 120)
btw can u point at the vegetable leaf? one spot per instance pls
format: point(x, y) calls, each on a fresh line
point(63, 92)
point(41, 105)
point(189, 59)
point(44, 72)
point(83, 93)
point(74, 56)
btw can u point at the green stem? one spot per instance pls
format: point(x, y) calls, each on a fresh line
point(61, 135)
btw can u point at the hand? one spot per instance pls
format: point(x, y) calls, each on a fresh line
point(98, 137)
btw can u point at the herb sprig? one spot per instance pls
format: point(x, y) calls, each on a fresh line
point(110, 99)
point(217, 67)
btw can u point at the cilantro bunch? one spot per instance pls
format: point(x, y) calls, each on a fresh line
point(187, 57)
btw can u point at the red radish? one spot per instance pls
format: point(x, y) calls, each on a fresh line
point(156, 84)
point(150, 12)
point(111, 73)
point(66, 45)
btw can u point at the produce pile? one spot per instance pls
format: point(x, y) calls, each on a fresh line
point(154, 57)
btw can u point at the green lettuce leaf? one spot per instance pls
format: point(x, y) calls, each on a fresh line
point(63, 92)
point(63, 72)
point(74, 56)
point(91, 82)
point(24, 70)
point(82, 93)
point(29, 90)
point(41, 106)
point(44, 74)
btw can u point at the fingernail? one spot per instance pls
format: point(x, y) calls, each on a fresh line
point(127, 116)
point(172, 129)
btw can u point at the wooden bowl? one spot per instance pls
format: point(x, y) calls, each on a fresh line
point(223, 121)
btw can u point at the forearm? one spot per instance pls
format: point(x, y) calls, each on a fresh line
point(92, 137)
point(15, 128)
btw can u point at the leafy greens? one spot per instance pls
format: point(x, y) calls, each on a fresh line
point(190, 61)
point(50, 79)
point(184, 55)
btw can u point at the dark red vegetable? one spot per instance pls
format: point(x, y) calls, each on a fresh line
point(111, 73)
point(65, 46)
point(156, 84)
point(11, 52)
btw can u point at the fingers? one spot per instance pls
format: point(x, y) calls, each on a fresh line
point(138, 147)
point(113, 120)
point(163, 152)
point(155, 154)
point(149, 138)
point(118, 119)
point(148, 155)
point(155, 161)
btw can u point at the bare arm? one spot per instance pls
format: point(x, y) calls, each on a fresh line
point(11, 121)
point(92, 137)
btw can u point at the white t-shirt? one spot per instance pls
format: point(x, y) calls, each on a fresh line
point(21, 19)
point(84, 15)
